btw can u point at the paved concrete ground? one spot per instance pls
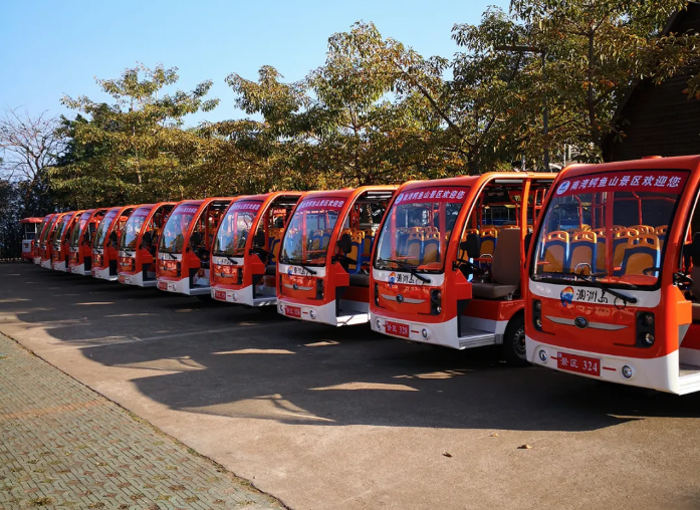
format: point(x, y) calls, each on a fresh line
point(65, 446)
point(344, 419)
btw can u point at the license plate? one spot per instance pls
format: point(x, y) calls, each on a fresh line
point(122, 279)
point(578, 364)
point(163, 285)
point(292, 311)
point(395, 328)
point(220, 294)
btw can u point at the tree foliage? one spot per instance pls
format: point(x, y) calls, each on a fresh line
point(523, 85)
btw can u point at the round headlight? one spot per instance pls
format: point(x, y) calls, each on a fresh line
point(234, 296)
point(649, 319)
point(538, 305)
point(543, 356)
point(649, 339)
point(281, 308)
point(378, 323)
point(538, 322)
point(424, 333)
point(627, 372)
point(312, 314)
point(438, 309)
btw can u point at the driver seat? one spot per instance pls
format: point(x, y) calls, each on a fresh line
point(505, 268)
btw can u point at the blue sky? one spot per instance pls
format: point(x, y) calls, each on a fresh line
point(49, 48)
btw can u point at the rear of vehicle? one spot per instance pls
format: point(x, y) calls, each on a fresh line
point(246, 249)
point(323, 271)
point(106, 244)
point(447, 269)
point(138, 244)
point(184, 249)
point(81, 241)
point(30, 230)
point(47, 243)
point(60, 252)
point(613, 293)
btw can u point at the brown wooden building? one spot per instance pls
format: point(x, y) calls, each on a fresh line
point(659, 120)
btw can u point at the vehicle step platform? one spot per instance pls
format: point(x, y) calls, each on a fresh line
point(476, 337)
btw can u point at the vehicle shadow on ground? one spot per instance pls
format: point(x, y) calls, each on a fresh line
point(232, 361)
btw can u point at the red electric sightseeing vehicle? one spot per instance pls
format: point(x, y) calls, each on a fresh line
point(47, 242)
point(138, 244)
point(185, 245)
point(448, 267)
point(81, 237)
point(30, 230)
point(323, 270)
point(246, 248)
point(106, 243)
point(614, 275)
point(41, 237)
point(61, 244)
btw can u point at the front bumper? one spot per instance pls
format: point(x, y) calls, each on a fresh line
point(182, 287)
point(660, 374)
point(136, 279)
point(103, 274)
point(243, 296)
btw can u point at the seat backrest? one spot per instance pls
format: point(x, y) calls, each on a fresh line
point(489, 238)
point(643, 229)
point(620, 238)
point(582, 250)
point(556, 251)
point(643, 251)
point(506, 259)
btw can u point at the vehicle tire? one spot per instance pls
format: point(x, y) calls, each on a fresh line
point(513, 348)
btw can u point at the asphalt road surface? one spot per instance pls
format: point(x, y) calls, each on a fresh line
point(346, 419)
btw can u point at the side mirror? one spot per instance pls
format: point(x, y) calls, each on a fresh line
point(345, 243)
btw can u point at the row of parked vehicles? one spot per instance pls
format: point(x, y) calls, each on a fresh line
point(592, 271)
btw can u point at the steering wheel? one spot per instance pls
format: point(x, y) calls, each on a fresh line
point(681, 278)
point(262, 251)
point(476, 269)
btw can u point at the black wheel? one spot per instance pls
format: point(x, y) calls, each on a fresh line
point(514, 342)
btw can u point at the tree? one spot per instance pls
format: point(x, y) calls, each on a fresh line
point(29, 146)
point(594, 51)
point(133, 150)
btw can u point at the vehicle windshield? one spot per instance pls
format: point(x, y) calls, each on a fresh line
point(79, 227)
point(58, 232)
point(45, 233)
point(235, 227)
point(309, 232)
point(133, 228)
point(106, 222)
point(609, 226)
point(175, 231)
point(417, 229)
point(40, 231)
